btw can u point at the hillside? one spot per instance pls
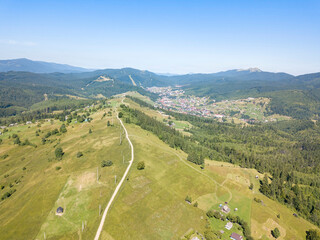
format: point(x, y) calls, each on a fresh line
point(151, 200)
point(27, 65)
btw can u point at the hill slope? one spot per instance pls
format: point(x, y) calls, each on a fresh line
point(23, 64)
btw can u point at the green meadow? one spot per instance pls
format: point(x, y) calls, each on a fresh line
point(151, 203)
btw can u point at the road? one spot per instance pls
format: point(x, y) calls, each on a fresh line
point(103, 219)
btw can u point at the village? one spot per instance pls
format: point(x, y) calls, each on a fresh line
point(249, 110)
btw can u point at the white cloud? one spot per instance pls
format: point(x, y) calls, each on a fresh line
point(17, 43)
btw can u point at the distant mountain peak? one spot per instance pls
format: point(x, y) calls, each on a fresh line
point(250, 70)
point(27, 65)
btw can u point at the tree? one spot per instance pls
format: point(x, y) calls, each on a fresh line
point(63, 128)
point(17, 141)
point(140, 165)
point(59, 153)
point(120, 115)
point(210, 235)
point(90, 131)
point(108, 123)
point(210, 214)
point(312, 234)
point(195, 204)
point(79, 154)
point(105, 163)
point(275, 233)
point(188, 199)
point(251, 186)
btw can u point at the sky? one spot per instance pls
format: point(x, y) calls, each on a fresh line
point(165, 36)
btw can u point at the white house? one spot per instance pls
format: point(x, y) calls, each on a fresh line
point(229, 225)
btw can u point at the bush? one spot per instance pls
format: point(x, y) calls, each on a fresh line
point(58, 168)
point(55, 131)
point(210, 214)
point(251, 186)
point(140, 165)
point(63, 128)
point(120, 115)
point(275, 233)
point(312, 234)
point(7, 194)
point(195, 204)
point(257, 200)
point(105, 163)
point(17, 141)
point(217, 215)
point(79, 154)
point(59, 152)
point(188, 199)
point(47, 135)
point(90, 131)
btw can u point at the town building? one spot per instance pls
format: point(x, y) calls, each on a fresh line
point(236, 236)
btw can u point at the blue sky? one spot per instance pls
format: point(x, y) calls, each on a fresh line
point(165, 36)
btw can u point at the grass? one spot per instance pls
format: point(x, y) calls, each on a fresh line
point(151, 203)
point(43, 188)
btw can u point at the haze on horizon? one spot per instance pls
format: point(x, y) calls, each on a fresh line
point(165, 36)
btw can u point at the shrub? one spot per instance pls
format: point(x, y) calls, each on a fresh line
point(58, 168)
point(24, 168)
point(90, 131)
point(257, 200)
point(210, 214)
point(188, 199)
point(59, 152)
point(8, 194)
point(275, 233)
point(14, 135)
point(251, 186)
point(17, 141)
point(312, 234)
point(47, 135)
point(55, 131)
point(120, 115)
point(79, 154)
point(195, 204)
point(140, 165)
point(63, 128)
point(105, 163)
point(217, 215)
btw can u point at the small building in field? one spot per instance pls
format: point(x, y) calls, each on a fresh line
point(236, 236)
point(229, 225)
point(225, 209)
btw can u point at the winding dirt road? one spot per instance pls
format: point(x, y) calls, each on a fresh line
point(103, 219)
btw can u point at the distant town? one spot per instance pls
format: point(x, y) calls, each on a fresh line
point(249, 110)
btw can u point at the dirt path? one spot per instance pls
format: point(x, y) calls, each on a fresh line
point(119, 185)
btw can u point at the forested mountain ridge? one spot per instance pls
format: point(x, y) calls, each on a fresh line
point(295, 96)
point(23, 64)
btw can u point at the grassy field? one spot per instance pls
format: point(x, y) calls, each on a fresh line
point(150, 205)
point(42, 188)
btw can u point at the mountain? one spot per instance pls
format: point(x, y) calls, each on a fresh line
point(27, 65)
point(236, 74)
